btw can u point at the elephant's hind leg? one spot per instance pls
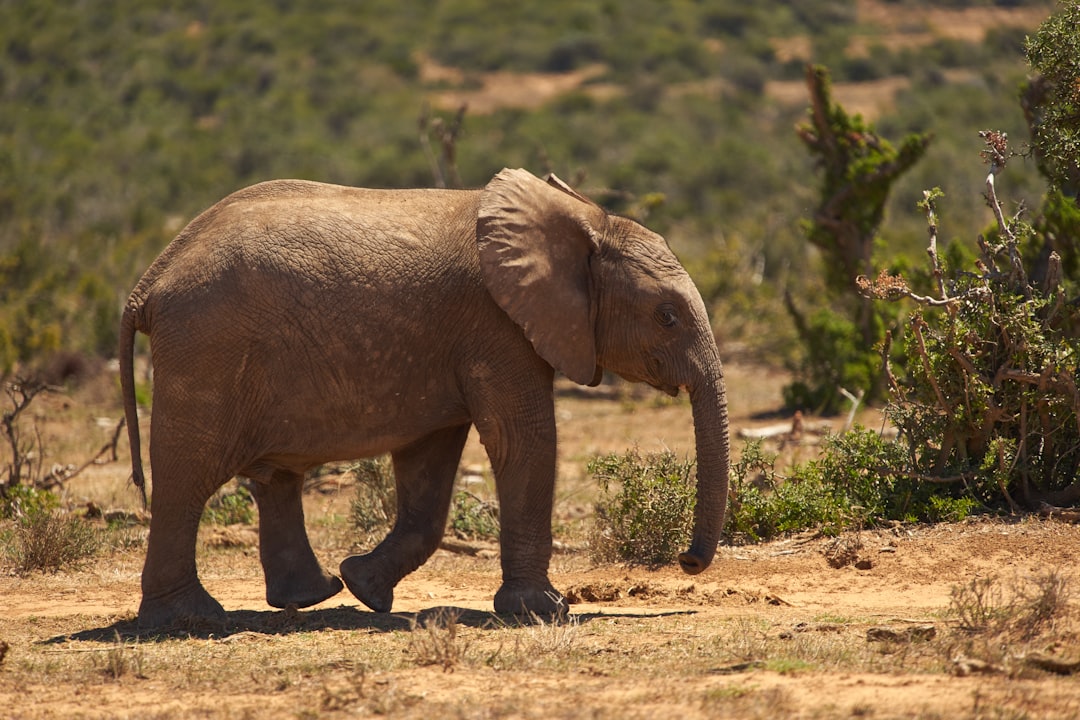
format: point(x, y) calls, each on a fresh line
point(171, 591)
point(424, 472)
point(293, 574)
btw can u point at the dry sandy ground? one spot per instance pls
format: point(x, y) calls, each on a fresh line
point(768, 631)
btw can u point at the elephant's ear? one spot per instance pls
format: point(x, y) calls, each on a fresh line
point(536, 242)
point(557, 182)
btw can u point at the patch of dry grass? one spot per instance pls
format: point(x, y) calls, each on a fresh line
point(434, 640)
point(50, 541)
point(1002, 627)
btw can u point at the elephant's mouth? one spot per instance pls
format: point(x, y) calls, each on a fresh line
point(672, 390)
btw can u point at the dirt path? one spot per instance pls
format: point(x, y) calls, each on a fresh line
point(770, 631)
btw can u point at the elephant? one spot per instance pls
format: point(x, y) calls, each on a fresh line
point(296, 323)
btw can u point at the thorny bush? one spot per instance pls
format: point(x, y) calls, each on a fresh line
point(990, 400)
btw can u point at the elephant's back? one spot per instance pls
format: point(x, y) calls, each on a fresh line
point(299, 226)
point(285, 241)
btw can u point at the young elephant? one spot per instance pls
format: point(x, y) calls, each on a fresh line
point(296, 323)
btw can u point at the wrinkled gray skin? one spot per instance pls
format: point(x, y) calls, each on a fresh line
point(296, 323)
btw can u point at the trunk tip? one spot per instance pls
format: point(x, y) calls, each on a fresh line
point(691, 563)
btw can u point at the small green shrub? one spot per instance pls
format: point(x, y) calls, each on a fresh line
point(859, 479)
point(20, 500)
point(835, 356)
point(940, 508)
point(50, 540)
point(375, 505)
point(234, 507)
point(646, 510)
point(764, 504)
point(474, 519)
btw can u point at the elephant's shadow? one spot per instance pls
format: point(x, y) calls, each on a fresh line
point(289, 621)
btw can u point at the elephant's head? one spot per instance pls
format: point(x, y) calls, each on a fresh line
point(593, 291)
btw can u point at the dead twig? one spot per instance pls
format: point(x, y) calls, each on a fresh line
point(855, 401)
point(61, 475)
point(21, 392)
point(446, 133)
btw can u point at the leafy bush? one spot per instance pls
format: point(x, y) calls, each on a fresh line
point(1052, 97)
point(764, 504)
point(474, 519)
point(856, 481)
point(990, 401)
point(231, 507)
point(375, 505)
point(646, 510)
point(18, 501)
point(834, 357)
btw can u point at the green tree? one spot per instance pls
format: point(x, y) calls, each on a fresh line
point(1051, 104)
point(1051, 100)
point(858, 170)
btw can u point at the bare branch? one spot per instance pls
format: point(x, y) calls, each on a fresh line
point(21, 392)
point(426, 126)
point(893, 287)
point(931, 250)
point(886, 363)
point(855, 400)
point(63, 474)
point(917, 324)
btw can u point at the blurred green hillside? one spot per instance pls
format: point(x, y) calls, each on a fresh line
point(119, 121)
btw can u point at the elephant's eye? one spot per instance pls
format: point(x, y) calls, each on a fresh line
point(665, 315)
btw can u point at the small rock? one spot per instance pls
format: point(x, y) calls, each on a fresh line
point(909, 633)
point(964, 666)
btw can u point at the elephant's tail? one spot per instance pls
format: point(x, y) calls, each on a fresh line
point(128, 328)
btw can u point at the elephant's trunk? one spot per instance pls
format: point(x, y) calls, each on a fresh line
point(709, 402)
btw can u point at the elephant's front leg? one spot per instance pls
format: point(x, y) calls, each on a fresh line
point(293, 574)
point(424, 472)
point(522, 452)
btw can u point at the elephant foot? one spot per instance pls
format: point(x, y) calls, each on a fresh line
point(529, 598)
point(302, 592)
point(365, 580)
point(192, 605)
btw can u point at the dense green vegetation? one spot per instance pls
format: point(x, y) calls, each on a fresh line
point(123, 120)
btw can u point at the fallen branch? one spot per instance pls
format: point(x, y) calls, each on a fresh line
point(62, 474)
point(855, 401)
point(1049, 663)
point(1068, 515)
